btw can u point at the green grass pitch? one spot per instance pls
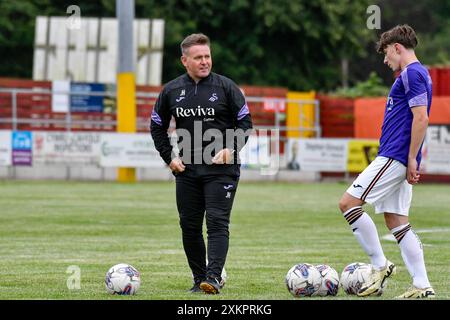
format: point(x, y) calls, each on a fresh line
point(45, 227)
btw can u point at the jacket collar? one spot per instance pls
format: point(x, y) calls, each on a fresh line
point(201, 80)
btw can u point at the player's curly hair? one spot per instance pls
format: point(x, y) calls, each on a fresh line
point(192, 40)
point(403, 34)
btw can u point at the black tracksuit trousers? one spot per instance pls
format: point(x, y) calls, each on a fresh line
point(199, 192)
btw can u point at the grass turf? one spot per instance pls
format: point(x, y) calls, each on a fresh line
point(47, 226)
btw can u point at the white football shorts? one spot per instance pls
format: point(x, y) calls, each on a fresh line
point(383, 184)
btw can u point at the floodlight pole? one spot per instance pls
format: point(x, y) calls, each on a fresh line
point(126, 86)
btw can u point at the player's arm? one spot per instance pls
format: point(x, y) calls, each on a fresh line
point(243, 120)
point(242, 123)
point(418, 131)
point(159, 123)
point(417, 95)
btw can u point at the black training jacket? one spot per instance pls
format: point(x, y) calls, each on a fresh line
point(215, 102)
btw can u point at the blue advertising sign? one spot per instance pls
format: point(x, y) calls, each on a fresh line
point(22, 146)
point(86, 103)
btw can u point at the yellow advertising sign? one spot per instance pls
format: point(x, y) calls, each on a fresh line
point(361, 153)
point(300, 114)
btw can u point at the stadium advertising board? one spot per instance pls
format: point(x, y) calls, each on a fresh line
point(319, 155)
point(5, 148)
point(86, 103)
point(62, 101)
point(66, 147)
point(256, 152)
point(60, 96)
point(436, 150)
point(274, 105)
point(361, 153)
point(129, 150)
point(22, 144)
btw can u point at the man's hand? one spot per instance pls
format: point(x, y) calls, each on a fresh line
point(412, 175)
point(224, 156)
point(176, 165)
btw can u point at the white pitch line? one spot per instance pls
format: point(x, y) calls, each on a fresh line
point(390, 237)
point(433, 230)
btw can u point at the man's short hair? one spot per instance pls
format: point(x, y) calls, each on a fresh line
point(403, 34)
point(192, 40)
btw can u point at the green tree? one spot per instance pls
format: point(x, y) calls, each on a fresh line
point(434, 45)
point(372, 87)
point(430, 20)
point(297, 44)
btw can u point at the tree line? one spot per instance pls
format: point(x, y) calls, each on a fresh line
point(298, 44)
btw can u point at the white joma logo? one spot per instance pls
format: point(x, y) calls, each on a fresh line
point(199, 111)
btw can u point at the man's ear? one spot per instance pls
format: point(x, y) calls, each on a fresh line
point(398, 48)
point(183, 60)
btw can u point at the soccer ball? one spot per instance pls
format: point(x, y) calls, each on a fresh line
point(330, 281)
point(354, 275)
point(303, 280)
point(122, 279)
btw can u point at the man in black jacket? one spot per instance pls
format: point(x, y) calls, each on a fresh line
point(213, 123)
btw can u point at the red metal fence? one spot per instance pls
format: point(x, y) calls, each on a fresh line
point(441, 80)
point(27, 105)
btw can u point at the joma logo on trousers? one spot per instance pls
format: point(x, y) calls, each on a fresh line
point(199, 111)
